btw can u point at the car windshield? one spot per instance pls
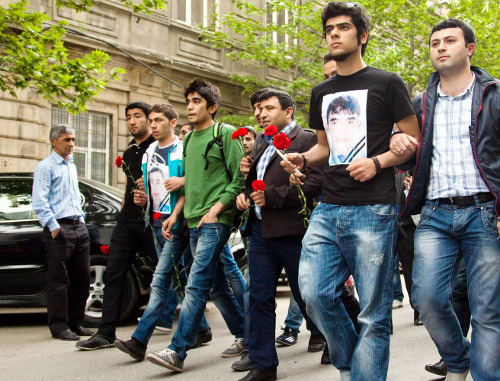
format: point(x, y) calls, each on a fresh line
point(103, 187)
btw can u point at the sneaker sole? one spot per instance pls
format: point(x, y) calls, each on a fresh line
point(158, 361)
point(287, 343)
point(123, 348)
point(95, 348)
point(228, 355)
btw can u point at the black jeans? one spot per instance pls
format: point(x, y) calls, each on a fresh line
point(127, 239)
point(68, 275)
point(266, 259)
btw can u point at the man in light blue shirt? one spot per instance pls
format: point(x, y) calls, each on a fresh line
point(56, 202)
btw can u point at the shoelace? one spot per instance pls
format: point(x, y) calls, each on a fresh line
point(165, 352)
point(236, 343)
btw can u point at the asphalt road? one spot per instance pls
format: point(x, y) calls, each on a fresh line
point(28, 352)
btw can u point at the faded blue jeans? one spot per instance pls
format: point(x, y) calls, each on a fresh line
point(294, 317)
point(206, 276)
point(342, 240)
point(164, 280)
point(234, 276)
point(444, 235)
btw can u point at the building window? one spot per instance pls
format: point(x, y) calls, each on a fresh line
point(279, 17)
point(92, 141)
point(196, 12)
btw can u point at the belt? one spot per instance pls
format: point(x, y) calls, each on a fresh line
point(467, 200)
point(69, 220)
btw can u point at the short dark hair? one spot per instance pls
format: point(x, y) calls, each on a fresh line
point(469, 35)
point(327, 58)
point(284, 98)
point(165, 109)
point(360, 18)
point(343, 103)
point(207, 90)
point(142, 105)
point(256, 97)
point(251, 130)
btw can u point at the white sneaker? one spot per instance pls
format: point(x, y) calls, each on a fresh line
point(397, 304)
point(345, 375)
point(457, 376)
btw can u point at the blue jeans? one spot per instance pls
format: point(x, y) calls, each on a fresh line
point(206, 276)
point(444, 235)
point(294, 317)
point(234, 276)
point(342, 240)
point(396, 281)
point(165, 279)
point(266, 259)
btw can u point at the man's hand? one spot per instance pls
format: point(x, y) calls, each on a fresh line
point(54, 233)
point(209, 218)
point(402, 143)
point(140, 183)
point(296, 180)
point(140, 197)
point(362, 169)
point(242, 203)
point(407, 182)
point(245, 164)
point(174, 183)
point(167, 227)
point(258, 198)
point(296, 161)
point(498, 228)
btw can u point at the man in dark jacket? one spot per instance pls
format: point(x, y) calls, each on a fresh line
point(276, 229)
point(456, 183)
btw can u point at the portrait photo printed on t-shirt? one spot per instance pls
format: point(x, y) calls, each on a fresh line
point(160, 197)
point(344, 119)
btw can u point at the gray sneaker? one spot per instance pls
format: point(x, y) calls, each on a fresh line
point(168, 358)
point(236, 349)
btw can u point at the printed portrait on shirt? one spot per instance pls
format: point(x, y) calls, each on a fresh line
point(344, 119)
point(157, 175)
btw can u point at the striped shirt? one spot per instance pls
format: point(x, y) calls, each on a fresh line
point(453, 169)
point(55, 191)
point(266, 158)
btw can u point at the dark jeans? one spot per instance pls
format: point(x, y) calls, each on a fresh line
point(128, 238)
point(68, 275)
point(266, 259)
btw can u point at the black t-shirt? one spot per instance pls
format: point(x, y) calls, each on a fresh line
point(362, 109)
point(132, 158)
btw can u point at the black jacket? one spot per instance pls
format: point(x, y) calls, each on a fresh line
point(484, 137)
point(280, 216)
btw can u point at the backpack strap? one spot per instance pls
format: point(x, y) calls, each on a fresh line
point(217, 140)
point(186, 140)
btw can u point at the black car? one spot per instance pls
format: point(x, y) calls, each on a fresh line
point(23, 263)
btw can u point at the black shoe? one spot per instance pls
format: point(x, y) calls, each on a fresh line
point(438, 368)
point(98, 341)
point(133, 348)
point(81, 330)
point(202, 337)
point(67, 334)
point(417, 322)
point(260, 375)
point(316, 342)
point(244, 364)
point(288, 337)
point(325, 357)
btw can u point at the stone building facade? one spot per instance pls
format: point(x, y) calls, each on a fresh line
point(165, 40)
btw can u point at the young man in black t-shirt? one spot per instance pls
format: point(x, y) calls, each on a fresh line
point(353, 230)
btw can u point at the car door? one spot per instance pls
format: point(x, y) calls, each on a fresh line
point(23, 260)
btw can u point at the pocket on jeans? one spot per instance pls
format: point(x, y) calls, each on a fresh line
point(382, 210)
point(425, 214)
point(489, 218)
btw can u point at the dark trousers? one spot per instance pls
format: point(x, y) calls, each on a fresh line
point(68, 276)
point(266, 259)
point(127, 239)
point(351, 305)
point(406, 253)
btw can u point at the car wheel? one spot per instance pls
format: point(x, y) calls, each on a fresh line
point(93, 307)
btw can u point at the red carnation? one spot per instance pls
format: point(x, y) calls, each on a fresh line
point(235, 135)
point(156, 216)
point(119, 161)
point(258, 185)
point(104, 248)
point(239, 132)
point(271, 130)
point(281, 142)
